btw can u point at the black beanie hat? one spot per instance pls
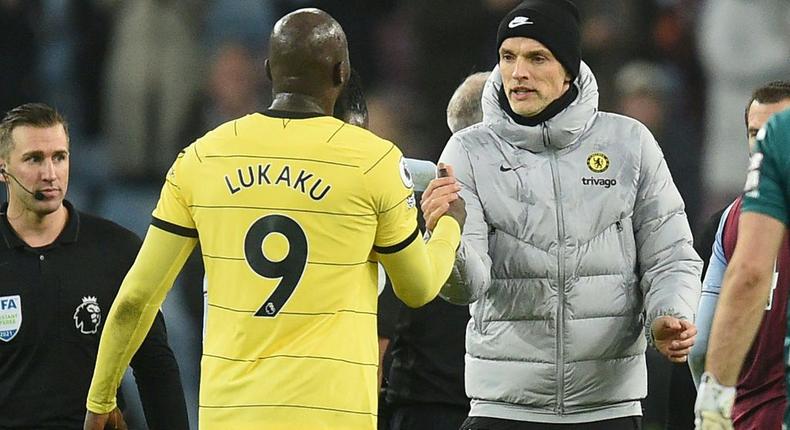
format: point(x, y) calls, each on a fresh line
point(554, 23)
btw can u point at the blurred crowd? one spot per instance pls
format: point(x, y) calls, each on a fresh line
point(139, 80)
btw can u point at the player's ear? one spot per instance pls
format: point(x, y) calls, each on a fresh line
point(340, 73)
point(268, 69)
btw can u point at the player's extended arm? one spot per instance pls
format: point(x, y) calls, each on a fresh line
point(419, 270)
point(705, 312)
point(142, 293)
point(669, 268)
point(746, 286)
point(711, 286)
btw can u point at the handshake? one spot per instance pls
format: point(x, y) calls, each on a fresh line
point(440, 194)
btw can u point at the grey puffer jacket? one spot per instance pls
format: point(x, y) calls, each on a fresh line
point(575, 239)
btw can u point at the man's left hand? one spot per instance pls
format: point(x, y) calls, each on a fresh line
point(674, 337)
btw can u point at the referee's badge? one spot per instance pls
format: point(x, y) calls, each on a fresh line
point(405, 175)
point(87, 316)
point(10, 317)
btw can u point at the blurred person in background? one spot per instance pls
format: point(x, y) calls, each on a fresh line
point(760, 399)
point(153, 74)
point(645, 92)
point(61, 270)
point(234, 86)
point(425, 381)
point(576, 251)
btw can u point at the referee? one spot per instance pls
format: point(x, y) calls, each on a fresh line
point(60, 270)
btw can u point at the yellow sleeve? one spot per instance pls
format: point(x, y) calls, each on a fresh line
point(418, 271)
point(391, 188)
point(132, 313)
point(172, 212)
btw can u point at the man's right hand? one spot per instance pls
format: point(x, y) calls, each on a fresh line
point(110, 421)
point(441, 198)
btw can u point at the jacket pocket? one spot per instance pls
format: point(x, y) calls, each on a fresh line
point(627, 242)
point(620, 240)
point(628, 259)
point(479, 313)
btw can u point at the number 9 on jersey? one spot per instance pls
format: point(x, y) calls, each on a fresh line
point(289, 269)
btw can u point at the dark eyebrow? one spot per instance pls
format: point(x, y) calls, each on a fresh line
point(539, 51)
point(532, 53)
point(32, 153)
point(41, 153)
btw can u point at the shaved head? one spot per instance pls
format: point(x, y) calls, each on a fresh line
point(308, 55)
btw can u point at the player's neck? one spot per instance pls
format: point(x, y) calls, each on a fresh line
point(292, 102)
point(36, 229)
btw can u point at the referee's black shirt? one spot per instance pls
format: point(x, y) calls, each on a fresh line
point(54, 302)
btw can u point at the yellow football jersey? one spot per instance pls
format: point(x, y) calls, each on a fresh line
point(289, 210)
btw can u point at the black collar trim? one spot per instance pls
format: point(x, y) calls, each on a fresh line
point(548, 113)
point(291, 115)
point(69, 234)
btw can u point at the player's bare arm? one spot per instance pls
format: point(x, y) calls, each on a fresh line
point(746, 286)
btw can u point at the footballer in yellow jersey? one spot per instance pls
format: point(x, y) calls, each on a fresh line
point(287, 210)
point(292, 209)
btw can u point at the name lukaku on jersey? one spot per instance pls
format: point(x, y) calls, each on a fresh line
point(259, 174)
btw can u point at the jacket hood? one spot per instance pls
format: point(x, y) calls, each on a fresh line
point(563, 129)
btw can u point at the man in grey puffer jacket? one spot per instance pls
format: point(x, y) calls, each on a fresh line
point(575, 241)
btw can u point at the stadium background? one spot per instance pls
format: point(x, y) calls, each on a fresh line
point(140, 79)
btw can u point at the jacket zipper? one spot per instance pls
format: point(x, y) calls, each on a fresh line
point(560, 409)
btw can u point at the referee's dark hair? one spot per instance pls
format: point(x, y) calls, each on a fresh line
point(772, 92)
point(37, 115)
